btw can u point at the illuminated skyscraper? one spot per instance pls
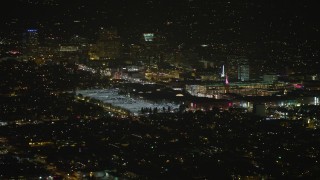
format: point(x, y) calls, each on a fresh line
point(32, 38)
point(243, 70)
point(108, 46)
point(30, 41)
point(152, 47)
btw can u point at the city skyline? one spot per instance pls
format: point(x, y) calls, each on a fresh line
point(272, 32)
point(167, 89)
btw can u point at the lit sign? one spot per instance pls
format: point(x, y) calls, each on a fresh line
point(148, 36)
point(32, 30)
point(298, 86)
point(13, 52)
point(68, 48)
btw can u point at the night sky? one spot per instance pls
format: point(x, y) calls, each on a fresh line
point(210, 20)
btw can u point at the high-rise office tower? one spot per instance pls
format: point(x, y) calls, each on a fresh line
point(107, 47)
point(243, 71)
point(32, 38)
point(30, 41)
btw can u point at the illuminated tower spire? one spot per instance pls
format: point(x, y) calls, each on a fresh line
point(227, 80)
point(223, 73)
point(226, 85)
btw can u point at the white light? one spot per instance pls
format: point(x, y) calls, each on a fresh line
point(223, 73)
point(316, 101)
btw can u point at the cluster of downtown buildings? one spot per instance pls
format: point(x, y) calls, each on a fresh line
point(152, 59)
point(203, 108)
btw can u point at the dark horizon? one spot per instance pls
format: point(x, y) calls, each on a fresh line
point(250, 20)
